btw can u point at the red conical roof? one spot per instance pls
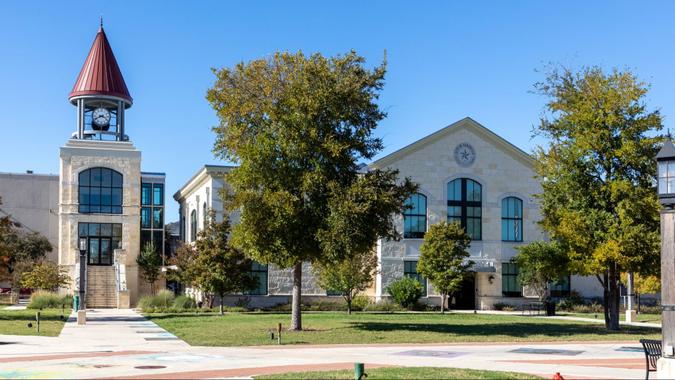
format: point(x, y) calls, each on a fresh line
point(100, 74)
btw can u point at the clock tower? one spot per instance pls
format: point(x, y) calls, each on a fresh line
point(100, 187)
point(100, 95)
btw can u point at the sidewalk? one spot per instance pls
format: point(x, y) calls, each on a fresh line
point(123, 344)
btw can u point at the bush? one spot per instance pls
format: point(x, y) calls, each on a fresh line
point(49, 300)
point(650, 309)
point(360, 302)
point(184, 302)
point(327, 305)
point(503, 306)
point(569, 303)
point(163, 299)
point(384, 306)
point(405, 291)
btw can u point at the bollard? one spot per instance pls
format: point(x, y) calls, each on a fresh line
point(359, 371)
point(37, 318)
point(279, 334)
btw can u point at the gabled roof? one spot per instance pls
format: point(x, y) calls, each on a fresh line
point(100, 74)
point(199, 177)
point(468, 123)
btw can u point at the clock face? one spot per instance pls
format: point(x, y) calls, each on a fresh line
point(101, 117)
point(465, 154)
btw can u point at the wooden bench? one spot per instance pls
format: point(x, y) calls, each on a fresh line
point(652, 354)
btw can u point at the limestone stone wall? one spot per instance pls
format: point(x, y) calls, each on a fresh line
point(502, 171)
point(78, 155)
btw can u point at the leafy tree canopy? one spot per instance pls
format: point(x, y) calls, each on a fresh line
point(540, 263)
point(597, 174)
point(150, 264)
point(45, 276)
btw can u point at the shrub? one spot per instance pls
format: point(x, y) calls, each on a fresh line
point(184, 302)
point(360, 302)
point(163, 299)
point(384, 306)
point(49, 300)
point(327, 305)
point(650, 309)
point(503, 306)
point(405, 291)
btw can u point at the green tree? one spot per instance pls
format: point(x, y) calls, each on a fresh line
point(223, 268)
point(443, 258)
point(406, 291)
point(540, 263)
point(348, 277)
point(597, 173)
point(182, 266)
point(6, 244)
point(297, 126)
point(45, 276)
point(150, 264)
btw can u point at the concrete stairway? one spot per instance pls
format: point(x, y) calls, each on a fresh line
point(101, 292)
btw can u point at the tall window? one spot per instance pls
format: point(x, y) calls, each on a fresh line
point(152, 214)
point(102, 240)
point(205, 215)
point(512, 219)
point(259, 272)
point(464, 205)
point(193, 225)
point(100, 191)
point(410, 270)
point(415, 217)
point(510, 285)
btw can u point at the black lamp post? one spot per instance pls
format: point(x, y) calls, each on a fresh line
point(83, 270)
point(665, 161)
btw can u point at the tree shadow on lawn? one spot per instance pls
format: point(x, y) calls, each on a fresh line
point(30, 317)
point(516, 330)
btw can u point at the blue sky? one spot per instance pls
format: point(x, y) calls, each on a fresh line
point(447, 60)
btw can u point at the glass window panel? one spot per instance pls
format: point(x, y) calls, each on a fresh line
point(116, 179)
point(95, 196)
point(106, 177)
point(158, 194)
point(106, 196)
point(84, 178)
point(116, 197)
point(158, 240)
point(84, 196)
point(106, 254)
point(106, 229)
point(116, 243)
point(96, 179)
point(157, 218)
point(145, 217)
point(146, 189)
point(105, 210)
point(94, 229)
point(94, 252)
point(83, 229)
point(671, 185)
point(671, 169)
point(116, 229)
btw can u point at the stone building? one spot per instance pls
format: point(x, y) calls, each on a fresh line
point(469, 175)
point(466, 174)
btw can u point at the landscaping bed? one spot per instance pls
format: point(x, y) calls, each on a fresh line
point(246, 329)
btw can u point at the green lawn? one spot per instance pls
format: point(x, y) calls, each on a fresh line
point(651, 318)
point(14, 322)
point(245, 329)
point(423, 373)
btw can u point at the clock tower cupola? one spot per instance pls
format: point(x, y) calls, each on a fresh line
point(100, 95)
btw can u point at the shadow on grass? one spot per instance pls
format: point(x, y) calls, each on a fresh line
point(30, 317)
point(517, 330)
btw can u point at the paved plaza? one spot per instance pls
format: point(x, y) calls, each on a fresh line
point(122, 344)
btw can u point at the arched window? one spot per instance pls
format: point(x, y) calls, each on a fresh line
point(193, 225)
point(205, 215)
point(512, 219)
point(415, 217)
point(464, 205)
point(100, 191)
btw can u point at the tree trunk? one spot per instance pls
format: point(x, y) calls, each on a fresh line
point(349, 306)
point(221, 304)
point(614, 298)
point(605, 298)
point(296, 316)
point(443, 297)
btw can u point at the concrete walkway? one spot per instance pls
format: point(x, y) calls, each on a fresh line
point(123, 344)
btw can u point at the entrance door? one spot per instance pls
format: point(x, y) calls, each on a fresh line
point(465, 299)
